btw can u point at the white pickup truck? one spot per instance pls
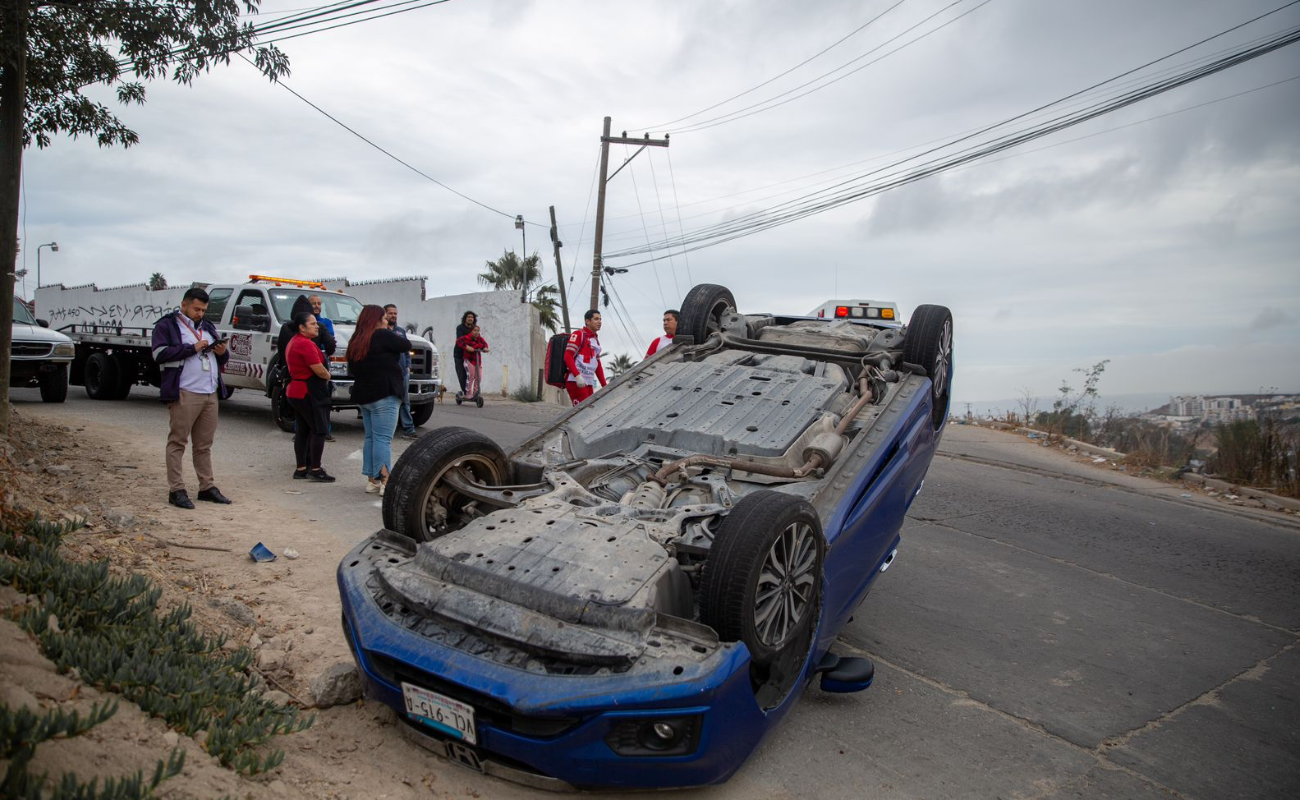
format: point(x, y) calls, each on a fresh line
point(39, 357)
point(111, 359)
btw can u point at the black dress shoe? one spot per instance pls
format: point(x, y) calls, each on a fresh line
point(181, 499)
point(214, 495)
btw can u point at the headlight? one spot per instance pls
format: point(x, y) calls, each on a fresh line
point(66, 349)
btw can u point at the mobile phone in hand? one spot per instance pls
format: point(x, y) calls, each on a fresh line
point(222, 340)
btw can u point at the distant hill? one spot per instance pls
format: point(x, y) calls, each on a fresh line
point(1127, 403)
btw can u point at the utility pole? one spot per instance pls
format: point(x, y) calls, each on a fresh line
point(523, 269)
point(559, 271)
point(605, 141)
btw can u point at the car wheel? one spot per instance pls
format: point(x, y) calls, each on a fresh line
point(416, 501)
point(762, 584)
point(101, 376)
point(126, 375)
point(281, 411)
point(421, 414)
point(928, 344)
point(703, 309)
point(54, 385)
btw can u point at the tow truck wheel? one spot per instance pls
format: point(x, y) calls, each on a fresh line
point(928, 343)
point(54, 384)
point(418, 503)
point(703, 309)
point(421, 414)
point(101, 377)
point(126, 374)
point(762, 585)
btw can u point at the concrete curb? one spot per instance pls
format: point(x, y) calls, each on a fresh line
point(1270, 500)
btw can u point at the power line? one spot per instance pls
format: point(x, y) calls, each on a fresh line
point(851, 190)
point(636, 192)
point(360, 136)
point(777, 77)
point(760, 107)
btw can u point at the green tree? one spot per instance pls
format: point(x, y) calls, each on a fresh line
point(50, 50)
point(509, 272)
point(619, 364)
point(157, 281)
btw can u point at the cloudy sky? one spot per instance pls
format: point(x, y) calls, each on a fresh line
point(1162, 237)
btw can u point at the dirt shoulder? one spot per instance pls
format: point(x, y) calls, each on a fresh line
point(286, 610)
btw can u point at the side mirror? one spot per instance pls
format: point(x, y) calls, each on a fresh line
point(245, 319)
point(44, 323)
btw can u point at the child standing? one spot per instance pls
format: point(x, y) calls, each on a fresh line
point(474, 346)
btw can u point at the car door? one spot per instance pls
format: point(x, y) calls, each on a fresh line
point(249, 349)
point(865, 527)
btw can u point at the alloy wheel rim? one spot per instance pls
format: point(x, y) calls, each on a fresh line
point(477, 468)
point(941, 359)
point(785, 584)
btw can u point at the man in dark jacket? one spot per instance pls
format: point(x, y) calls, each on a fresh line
point(190, 356)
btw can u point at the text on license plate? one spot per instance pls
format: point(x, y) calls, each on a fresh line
point(440, 712)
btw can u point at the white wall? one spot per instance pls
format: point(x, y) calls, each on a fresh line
point(512, 329)
point(130, 306)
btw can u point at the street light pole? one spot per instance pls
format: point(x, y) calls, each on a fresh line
point(54, 247)
point(523, 266)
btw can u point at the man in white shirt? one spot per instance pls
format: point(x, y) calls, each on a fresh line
point(670, 330)
point(190, 356)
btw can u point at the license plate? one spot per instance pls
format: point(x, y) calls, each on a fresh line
point(440, 712)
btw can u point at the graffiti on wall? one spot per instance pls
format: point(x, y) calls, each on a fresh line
point(140, 314)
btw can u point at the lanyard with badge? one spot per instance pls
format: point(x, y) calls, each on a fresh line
point(198, 335)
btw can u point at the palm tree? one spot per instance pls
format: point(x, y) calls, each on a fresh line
point(619, 364)
point(509, 272)
point(157, 281)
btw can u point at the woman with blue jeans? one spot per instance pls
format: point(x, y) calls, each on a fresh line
point(374, 362)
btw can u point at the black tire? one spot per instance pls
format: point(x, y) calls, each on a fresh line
point(415, 504)
point(54, 384)
point(478, 401)
point(751, 540)
point(101, 377)
point(127, 370)
point(421, 414)
point(702, 311)
point(281, 411)
point(928, 344)
point(459, 399)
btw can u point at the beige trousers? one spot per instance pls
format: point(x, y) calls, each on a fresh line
point(193, 415)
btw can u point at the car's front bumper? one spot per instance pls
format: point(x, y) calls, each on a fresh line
point(578, 711)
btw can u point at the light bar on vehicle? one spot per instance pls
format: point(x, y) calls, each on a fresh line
point(286, 281)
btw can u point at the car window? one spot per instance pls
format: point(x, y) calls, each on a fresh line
point(254, 298)
point(338, 308)
point(21, 314)
point(217, 301)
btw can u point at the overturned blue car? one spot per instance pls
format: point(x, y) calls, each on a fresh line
point(637, 594)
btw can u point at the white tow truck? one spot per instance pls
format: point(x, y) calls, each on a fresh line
point(110, 359)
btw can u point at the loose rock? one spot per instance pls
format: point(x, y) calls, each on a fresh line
point(337, 685)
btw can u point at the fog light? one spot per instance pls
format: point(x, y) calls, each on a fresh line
point(655, 737)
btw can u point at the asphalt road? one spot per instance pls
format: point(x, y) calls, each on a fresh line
point(1049, 629)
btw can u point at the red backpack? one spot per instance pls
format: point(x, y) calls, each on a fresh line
point(557, 374)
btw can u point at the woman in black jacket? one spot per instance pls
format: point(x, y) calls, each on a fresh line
point(467, 322)
point(374, 355)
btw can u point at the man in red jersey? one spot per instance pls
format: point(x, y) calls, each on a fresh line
point(582, 359)
point(670, 330)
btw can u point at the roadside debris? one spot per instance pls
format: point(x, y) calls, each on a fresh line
point(261, 552)
point(290, 553)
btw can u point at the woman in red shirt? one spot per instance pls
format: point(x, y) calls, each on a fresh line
point(309, 396)
point(474, 346)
